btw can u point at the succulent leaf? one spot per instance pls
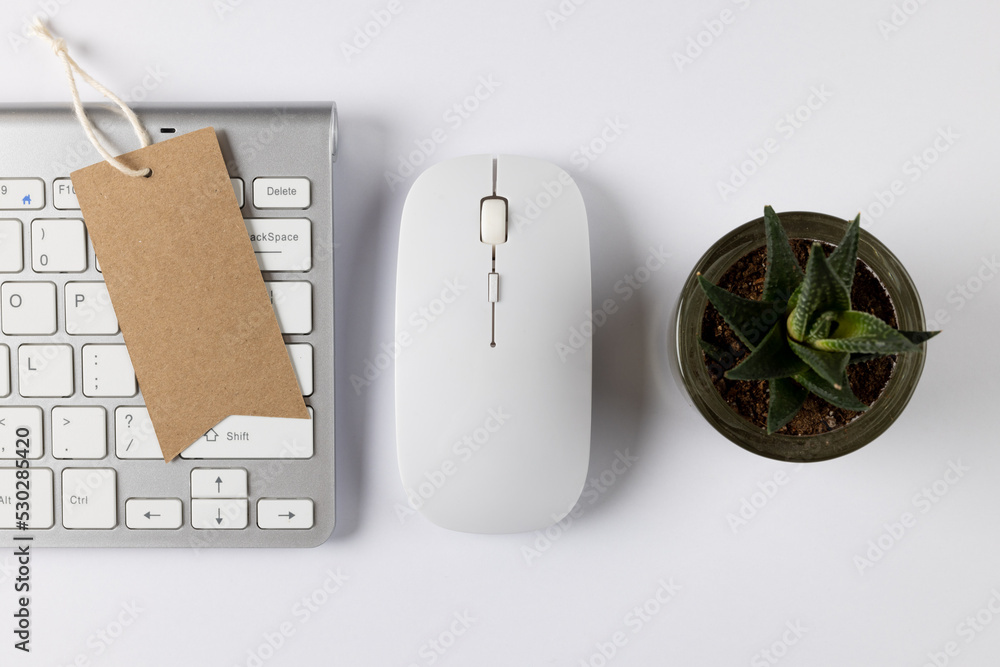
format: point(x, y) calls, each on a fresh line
point(822, 290)
point(783, 272)
point(829, 365)
point(714, 352)
point(821, 327)
point(842, 398)
point(771, 359)
point(749, 319)
point(865, 333)
point(786, 399)
point(844, 257)
point(918, 337)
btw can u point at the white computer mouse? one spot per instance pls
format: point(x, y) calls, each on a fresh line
point(493, 340)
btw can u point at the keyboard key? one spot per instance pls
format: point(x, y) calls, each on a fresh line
point(107, 371)
point(285, 513)
point(4, 371)
point(21, 194)
point(79, 432)
point(58, 246)
point(238, 190)
point(281, 193)
point(11, 419)
point(292, 303)
point(45, 371)
point(64, 195)
point(40, 499)
point(301, 355)
point(90, 498)
point(281, 244)
point(134, 434)
point(153, 513)
point(219, 514)
point(89, 311)
point(219, 483)
point(241, 437)
point(11, 254)
point(28, 309)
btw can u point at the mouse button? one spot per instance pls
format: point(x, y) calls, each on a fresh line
point(493, 220)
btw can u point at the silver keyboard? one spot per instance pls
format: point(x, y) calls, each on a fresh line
point(94, 468)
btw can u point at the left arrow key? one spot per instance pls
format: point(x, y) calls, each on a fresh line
point(153, 513)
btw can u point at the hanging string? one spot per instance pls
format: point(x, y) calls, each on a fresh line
point(58, 46)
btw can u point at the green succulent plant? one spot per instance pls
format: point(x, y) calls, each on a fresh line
point(802, 334)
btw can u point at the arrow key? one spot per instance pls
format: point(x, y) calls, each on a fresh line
point(285, 513)
point(219, 514)
point(218, 483)
point(153, 513)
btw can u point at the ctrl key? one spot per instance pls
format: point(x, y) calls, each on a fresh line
point(90, 498)
point(39, 497)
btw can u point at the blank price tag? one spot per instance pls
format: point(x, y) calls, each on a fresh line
point(187, 290)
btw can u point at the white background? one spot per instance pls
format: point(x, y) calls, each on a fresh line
point(670, 516)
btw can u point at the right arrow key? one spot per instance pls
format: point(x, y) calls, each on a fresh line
point(285, 513)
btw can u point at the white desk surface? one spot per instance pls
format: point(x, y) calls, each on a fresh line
point(886, 80)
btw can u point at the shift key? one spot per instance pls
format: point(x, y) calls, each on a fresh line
point(281, 244)
point(242, 437)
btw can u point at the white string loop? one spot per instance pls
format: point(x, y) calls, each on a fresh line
point(59, 48)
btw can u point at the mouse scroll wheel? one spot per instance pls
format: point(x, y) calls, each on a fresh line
point(493, 220)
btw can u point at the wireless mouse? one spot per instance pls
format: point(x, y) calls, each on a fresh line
point(494, 338)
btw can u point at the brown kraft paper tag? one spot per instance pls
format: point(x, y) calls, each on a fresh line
point(187, 289)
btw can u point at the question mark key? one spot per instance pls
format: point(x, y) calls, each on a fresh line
point(134, 434)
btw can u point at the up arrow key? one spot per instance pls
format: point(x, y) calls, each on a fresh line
point(219, 483)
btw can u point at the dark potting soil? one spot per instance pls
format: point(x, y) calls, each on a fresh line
point(749, 398)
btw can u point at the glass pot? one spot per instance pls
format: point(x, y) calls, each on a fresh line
point(822, 446)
